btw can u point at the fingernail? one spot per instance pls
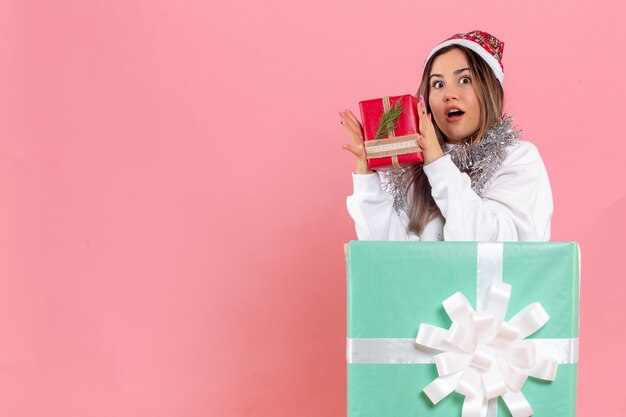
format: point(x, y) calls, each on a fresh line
point(422, 100)
point(340, 114)
point(430, 116)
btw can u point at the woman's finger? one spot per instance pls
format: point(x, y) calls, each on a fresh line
point(421, 107)
point(422, 114)
point(356, 150)
point(426, 126)
point(355, 132)
point(420, 140)
point(356, 137)
point(349, 124)
point(422, 104)
point(345, 119)
point(350, 118)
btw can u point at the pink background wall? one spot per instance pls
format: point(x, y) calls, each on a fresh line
point(172, 191)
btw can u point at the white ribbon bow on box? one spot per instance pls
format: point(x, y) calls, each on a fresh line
point(484, 356)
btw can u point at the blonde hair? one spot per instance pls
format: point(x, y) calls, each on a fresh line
point(422, 207)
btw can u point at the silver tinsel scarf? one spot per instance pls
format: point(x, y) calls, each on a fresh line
point(479, 162)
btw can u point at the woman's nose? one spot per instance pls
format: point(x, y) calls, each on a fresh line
point(450, 94)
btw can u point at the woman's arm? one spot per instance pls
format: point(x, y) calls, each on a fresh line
point(517, 205)
point(370, 206)
point(373, 213)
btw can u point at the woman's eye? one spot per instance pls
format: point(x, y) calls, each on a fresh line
point(466, 80)
point(437, 84)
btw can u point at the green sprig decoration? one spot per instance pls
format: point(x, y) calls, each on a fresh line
point(388, 120)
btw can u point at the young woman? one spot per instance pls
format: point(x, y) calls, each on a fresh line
point(479, 181)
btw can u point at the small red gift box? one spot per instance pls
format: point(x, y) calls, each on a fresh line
point(391, 142)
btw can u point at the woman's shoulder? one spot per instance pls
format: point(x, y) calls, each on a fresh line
point(522, 151)
point(523, 146)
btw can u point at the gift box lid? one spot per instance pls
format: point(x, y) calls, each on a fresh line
point(395, 286)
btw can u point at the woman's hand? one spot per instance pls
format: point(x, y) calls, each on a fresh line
point(355, 130)
point(427, 138)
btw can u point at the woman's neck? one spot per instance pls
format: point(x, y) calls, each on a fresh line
point(454, 141)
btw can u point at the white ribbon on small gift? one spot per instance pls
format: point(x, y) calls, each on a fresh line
point(481, 356)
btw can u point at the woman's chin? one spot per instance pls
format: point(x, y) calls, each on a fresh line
point(457, 135)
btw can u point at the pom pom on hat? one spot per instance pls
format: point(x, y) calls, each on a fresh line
point(487, 46)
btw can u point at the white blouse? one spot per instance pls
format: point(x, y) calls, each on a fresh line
point(516, 205)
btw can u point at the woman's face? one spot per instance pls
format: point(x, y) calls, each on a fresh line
point(453, 100)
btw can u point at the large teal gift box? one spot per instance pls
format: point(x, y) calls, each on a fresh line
point(393, 287)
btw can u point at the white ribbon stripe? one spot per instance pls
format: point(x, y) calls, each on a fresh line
point(392, 351)
point(411, 143)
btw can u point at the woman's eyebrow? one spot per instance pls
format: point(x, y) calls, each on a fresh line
point(455, 72)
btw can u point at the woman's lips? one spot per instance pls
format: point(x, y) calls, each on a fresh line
point(454, 118)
